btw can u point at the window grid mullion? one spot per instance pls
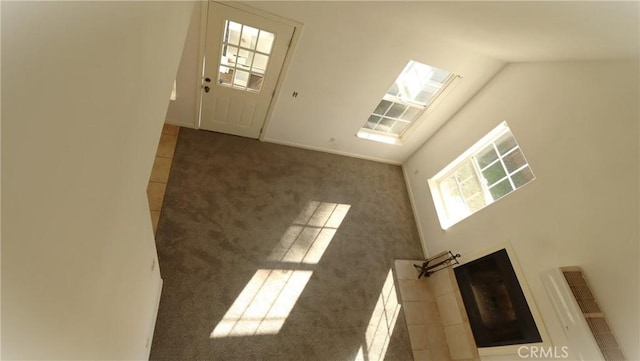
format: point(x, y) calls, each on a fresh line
point(457, 186)
point(485, 189)
point(504, 167)
point(399, 100)
point(510, 151)
point(519, 169)
point(509, 177)
point(490, 164)
point(464, 199)
point(396, 94)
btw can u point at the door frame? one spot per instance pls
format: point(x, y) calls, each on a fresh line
point(297, 30)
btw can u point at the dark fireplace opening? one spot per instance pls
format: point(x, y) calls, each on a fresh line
point(496, 306)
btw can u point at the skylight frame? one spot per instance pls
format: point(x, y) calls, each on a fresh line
point(391, 127)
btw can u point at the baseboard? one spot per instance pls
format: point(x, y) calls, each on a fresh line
point(181, 124)
point(414, 210)
point(331, 151)
point(155, 317)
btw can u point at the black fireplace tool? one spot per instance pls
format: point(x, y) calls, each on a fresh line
point(436, 263)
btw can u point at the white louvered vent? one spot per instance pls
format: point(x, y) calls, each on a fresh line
point(593, 314)
point(583, 321)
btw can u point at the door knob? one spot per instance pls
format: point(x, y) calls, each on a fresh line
point(208, 80)
point(206, 89)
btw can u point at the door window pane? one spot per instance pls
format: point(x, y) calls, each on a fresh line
point(249, 37)
point(225, 76)
point(259, 63)
point(245, 56)
point(265, 42)
point(255, 82)
point(232, 33)
point(241, 78)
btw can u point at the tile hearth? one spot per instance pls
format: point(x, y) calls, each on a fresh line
point(436, 319)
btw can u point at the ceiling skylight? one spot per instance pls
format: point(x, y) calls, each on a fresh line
point(415, 89)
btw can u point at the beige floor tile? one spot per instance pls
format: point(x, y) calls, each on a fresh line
point(170, 129)
point(430, 313)
point(161, 169)
point(167, 145)
point(425, 293)
point(436, 337)
point(155, 217)
point(413, 312)
point(418, 337)
point(440, 283)
point(422, 355)
point(408, 290)
point(440, 353)
point(459, 347)
point(405, 269)
point(449, 311)
point(155, 194)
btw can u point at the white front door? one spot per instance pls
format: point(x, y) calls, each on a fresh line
point(244, 54)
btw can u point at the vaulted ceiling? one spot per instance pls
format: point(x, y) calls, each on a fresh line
point(349, 53)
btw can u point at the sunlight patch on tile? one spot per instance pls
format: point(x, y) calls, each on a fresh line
point(381, 324)
point(264, 304)
point(309, 235)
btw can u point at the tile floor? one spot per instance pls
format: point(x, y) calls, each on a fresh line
point(160, 172)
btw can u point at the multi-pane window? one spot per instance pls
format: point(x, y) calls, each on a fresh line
point(245, 55)
point(491, 169)
point(410, 94)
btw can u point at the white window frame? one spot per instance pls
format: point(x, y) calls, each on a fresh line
point(446, 218)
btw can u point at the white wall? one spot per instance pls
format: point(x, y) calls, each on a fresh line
point(577, 123)
point(341, 72)
point(85, 90)
point(183, 111)
point(346, 58)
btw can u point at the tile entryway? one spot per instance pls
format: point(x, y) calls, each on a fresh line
point(160, 172)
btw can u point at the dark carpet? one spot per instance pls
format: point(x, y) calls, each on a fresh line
point(306, 239)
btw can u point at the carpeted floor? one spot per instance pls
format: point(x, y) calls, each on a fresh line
point(271, 252)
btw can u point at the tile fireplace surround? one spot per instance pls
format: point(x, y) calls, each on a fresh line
point(436, 319)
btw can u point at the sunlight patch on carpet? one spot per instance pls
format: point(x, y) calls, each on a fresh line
point(266, 301)
point(310, 233)
point(381, 324)
point(264, 304)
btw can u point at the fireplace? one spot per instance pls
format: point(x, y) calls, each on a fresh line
point(496, 306)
